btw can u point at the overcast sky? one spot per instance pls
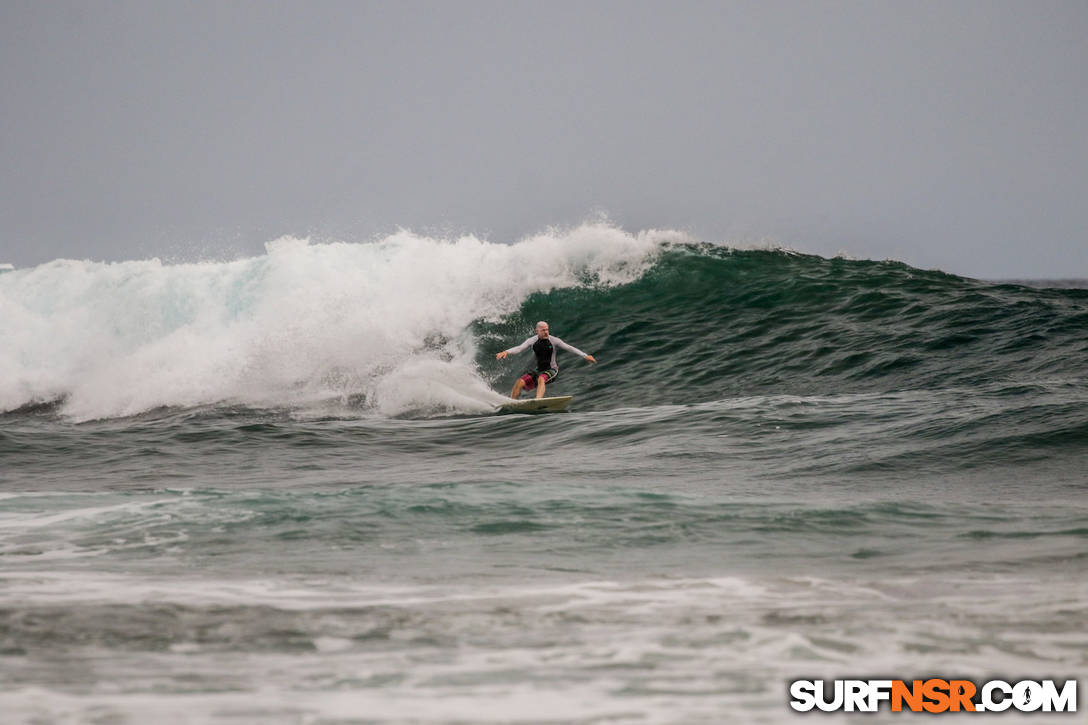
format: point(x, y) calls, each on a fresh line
point(945, 134)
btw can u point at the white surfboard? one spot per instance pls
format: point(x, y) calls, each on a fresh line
point(537, 405)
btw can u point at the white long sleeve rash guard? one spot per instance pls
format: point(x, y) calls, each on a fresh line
point(545, 353)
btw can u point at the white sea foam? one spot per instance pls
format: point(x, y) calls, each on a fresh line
point(646, 651)
point(304, 322)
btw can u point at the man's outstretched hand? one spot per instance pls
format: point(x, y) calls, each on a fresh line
point(591, 359)
point(500, 355)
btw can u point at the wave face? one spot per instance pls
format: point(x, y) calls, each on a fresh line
point(409, 325)
point(708, 322)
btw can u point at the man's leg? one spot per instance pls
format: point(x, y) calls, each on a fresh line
point(540, 380)
point(518, 387)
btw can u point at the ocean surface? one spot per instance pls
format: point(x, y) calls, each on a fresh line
point(274, 490)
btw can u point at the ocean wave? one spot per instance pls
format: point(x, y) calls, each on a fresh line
point(408, 326)
point(304, 322)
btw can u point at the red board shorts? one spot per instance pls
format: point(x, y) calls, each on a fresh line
point(530, 376)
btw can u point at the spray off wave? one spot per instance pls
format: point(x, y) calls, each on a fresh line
point(384, 322)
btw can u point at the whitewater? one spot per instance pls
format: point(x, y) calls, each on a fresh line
point(275, 489)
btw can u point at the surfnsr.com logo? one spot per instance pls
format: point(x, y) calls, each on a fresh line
point(933, 695)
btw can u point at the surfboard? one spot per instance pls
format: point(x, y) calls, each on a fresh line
point(537, 405)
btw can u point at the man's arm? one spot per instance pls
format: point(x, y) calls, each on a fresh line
point(515, 350)
point(573, 349)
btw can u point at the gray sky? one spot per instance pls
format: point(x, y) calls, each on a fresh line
point(945, 134)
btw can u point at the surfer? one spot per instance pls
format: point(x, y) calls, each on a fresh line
point(546, 368)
